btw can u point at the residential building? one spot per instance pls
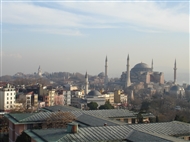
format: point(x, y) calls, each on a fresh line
point(7, 97)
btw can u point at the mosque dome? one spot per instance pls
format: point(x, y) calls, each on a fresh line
point(176, 88)
point(141, 67)
point(101, 74)
point(94, 93)
point(188, 88)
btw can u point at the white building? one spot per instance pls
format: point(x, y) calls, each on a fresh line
point(7, 97)
point(67, 97)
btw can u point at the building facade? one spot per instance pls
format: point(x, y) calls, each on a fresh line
point(7, 98)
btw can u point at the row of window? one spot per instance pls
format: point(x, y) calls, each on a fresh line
point(11, 94)
point(10, 106)
point(8, 98)
point(10, 102)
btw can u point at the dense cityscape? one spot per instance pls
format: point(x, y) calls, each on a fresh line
point(93, 70)
point(140, 95)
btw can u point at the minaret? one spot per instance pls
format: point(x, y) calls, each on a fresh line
point(175, 68)
point(106, 73)
point(132, 96)
point(39, 72)
point(128, 80)
point(86, 83)
point(152, 65)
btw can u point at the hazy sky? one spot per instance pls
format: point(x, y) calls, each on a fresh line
point(72, 36)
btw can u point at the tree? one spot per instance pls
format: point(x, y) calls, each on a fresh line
point(145, 106)
point(23, 138)
point(59, 119)
point(107, 105)
point(92, 105)
point(139, 118)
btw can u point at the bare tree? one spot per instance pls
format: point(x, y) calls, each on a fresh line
point(59, 119)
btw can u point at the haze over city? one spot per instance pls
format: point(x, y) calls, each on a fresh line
point(76, 36)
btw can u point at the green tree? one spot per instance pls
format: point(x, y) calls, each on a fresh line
point(107, 105)
point(139, 118)
point(23, 138)
point(145, 106)
point(92, 105)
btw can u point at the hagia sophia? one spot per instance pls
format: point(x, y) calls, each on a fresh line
point(141, 72)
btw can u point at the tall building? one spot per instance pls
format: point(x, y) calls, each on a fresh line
point(128, 80)
point(7, 98)
point(106, 73)
point(86, 83)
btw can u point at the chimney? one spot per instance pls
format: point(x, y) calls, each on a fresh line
point(72, 127)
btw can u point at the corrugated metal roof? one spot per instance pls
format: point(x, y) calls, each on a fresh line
point(136, 133)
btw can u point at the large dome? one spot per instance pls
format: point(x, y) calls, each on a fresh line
point(94, 93)
point(141, 67)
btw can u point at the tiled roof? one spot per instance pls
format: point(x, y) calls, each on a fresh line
point(133, 133)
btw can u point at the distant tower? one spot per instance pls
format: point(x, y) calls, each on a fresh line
point(152, 65)
point(106, 73)
point(39, 71)
point(132, 96)
point(86, 83)
point(175, 68)
point(128, 80)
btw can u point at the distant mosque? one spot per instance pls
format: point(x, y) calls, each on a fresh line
point(141, 72)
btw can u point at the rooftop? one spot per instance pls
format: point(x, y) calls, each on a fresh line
point(155, 132)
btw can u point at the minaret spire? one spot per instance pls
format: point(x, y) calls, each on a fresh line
point(175, 69)
point(86, 83)
point(128, 80)
point(152, 65)
point(106, 73)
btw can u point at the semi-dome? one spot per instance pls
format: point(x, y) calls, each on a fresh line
point(94, 93)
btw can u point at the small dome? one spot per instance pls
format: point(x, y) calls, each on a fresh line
point(176, 88)
point(101, 74)
point(94, 93)
point(188, 88)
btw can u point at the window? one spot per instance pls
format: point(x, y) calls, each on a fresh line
point(7, 98)
point(7, 102)
point(11, 102)
point(11, 98)
point(11, 93)
point(7, 94)
point(7, 106)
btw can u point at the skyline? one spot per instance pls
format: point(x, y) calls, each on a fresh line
point(77, 36)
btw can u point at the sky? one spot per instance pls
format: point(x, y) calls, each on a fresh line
point(76, 36)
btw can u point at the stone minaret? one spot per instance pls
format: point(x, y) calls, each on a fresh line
point(86, 83)
point(132, 96)
point(175, 68)
point(106, 73)
point(39, 71)
point(152, 65)
point(128, 80)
